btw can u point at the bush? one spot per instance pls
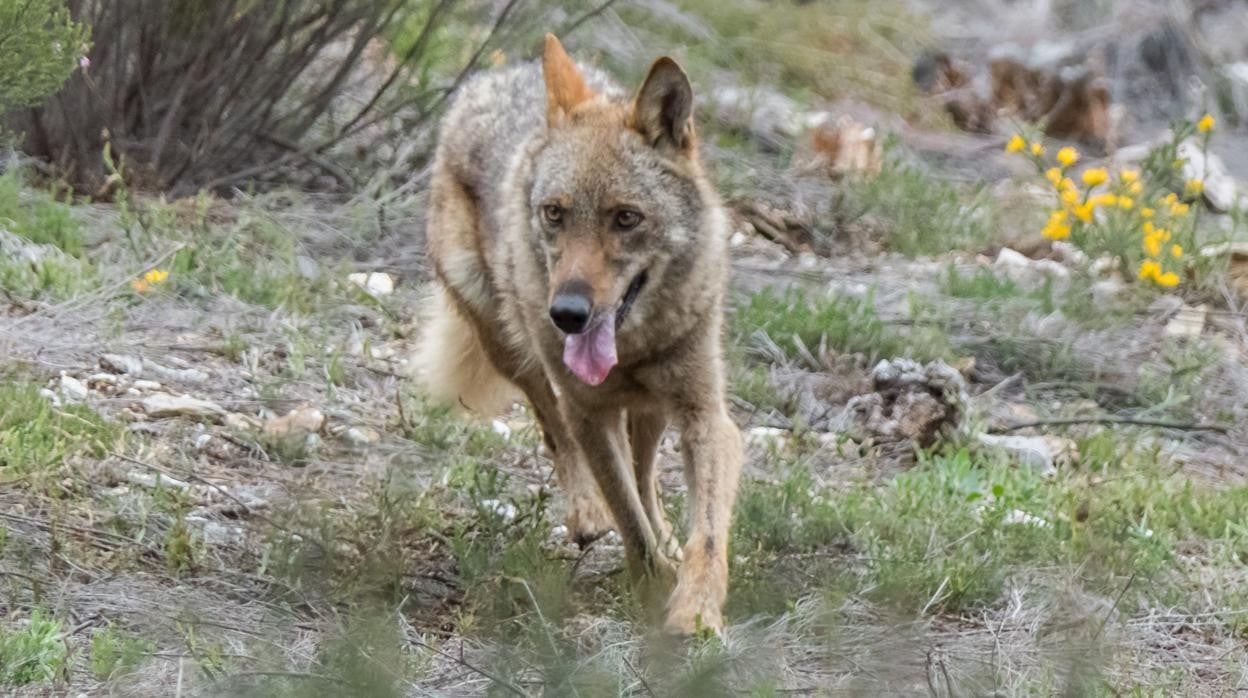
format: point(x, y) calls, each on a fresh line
point(1142, 219)
point(206, 93)
point(40, 45)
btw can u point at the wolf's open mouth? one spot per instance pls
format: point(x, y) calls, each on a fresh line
point(630, 295)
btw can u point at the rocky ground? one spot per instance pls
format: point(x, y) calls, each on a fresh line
point(978, 464)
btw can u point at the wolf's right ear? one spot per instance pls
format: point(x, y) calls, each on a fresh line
point(565, 86)
point(663, 112)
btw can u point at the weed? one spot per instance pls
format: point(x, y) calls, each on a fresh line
point(36, 437)
point(33, 654)
point(917, 213)
point(115, 653)
point(843, 324)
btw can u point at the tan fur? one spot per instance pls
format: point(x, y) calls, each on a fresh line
point(452, 365)
point(514, 144)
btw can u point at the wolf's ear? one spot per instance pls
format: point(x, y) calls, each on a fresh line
point(565, 86)
point(663, 112)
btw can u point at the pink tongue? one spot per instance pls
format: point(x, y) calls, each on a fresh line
point(591, 354)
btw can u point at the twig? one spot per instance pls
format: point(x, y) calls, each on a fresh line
point(1067, 421)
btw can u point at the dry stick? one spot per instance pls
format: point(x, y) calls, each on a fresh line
point(1190, 426)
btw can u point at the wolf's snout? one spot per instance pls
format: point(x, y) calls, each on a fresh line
point(571, 308)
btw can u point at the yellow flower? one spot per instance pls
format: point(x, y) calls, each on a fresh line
point(1129, 176)
point(1067, 156)
point(1125, 202)
point(1179, 209)
point(1171, 198)
point(1149, 228)
point(1152, 245)
point(1178, 163)
point(1176, 251)
point(1147, 212)
point(1194, 186)
point(1135, 188)
point(1095, 176)
point(1084, 212)
point(155, 276)
point(1103, 200)
point(1057, 228)
point(1067, 184)
point(1168, 279)
point(1016, 144)
point(1070, 197)
point(1205, 125)
point(1037, 149)
point(1149, 269)
point(1054, 176)
point(140, 286)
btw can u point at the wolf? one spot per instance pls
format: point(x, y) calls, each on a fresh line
point(580, 254)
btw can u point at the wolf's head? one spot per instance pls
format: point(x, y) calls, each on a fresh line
point(617, 199)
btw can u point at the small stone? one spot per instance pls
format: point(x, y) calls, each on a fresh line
point(1189, 321)
point(763, 437)
point(99, 380)
point(160, 405)
point(73, 389)
point(241, 422)
point(361, 436)
point(51, 397)
point(1044, 453)
point(374, 283)
point(301, 421)
point(500, 428)
point(202, 441)
point(174, 375)
point(154, 480)
point(505, 510)
point(121, 363)
point(147, 386)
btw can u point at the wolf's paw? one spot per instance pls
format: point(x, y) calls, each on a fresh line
point(588, 519)
point(691, 611)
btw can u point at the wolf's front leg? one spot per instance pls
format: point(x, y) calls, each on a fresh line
point(711, 444)
point(603, 440)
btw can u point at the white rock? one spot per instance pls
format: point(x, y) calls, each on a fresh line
point(72, 389)
point(145, 479)
point(1040, 452)
point(375, 283)
point(160, 405)
point(361, 436)
point(738, 239)
point(505, 510)
point(500, 428)
point(1220, 189)
point(147, 386)
point(1189, 321)
point(762, 437)
point(96, 380)
point(174, 375)
point(202, 441)
point(1023, 270)
point(51, 397)
point(120, 363)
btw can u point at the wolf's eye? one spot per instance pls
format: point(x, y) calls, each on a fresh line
point(552, 214)
point(627, 219)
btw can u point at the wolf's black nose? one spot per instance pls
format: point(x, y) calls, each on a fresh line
point(570, 311)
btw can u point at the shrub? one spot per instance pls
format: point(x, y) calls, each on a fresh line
point(40, 45)
point(1141, 218)
point(199, 93)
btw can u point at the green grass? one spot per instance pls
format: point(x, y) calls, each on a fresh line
point(916, 213)
point(844, 324)
point(945, 537)
point(33, 654)
point(115, 653)
point(37, 438)
point(37, 217)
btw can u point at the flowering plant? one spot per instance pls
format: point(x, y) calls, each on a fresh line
point(1136, 216)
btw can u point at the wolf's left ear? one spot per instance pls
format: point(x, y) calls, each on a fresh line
point(663, 112)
